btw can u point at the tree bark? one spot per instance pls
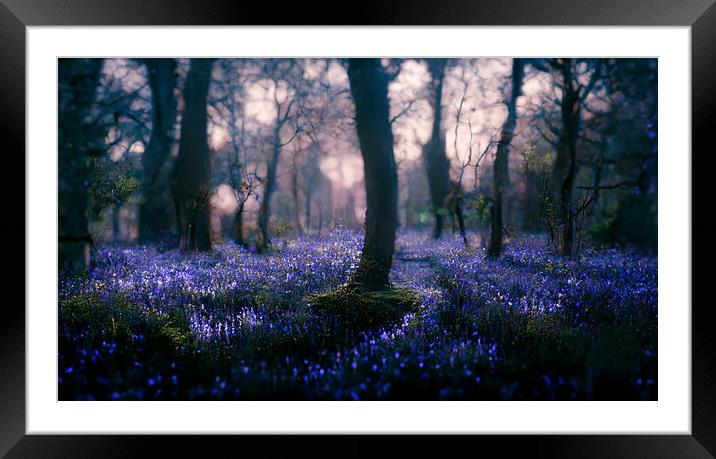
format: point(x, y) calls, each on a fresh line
point(154, 211)
point(294, 192)
point(566, 161)
point(597, 170)
point(436, 163)
point(307, 208)
point(320, 217)
point(454, 205)
point(239, 225)
point(190, 177)
point(369, 87)
point(264, 241)
point(312, 177)
point(502, 177)
point(78, 142)
point(235, 163)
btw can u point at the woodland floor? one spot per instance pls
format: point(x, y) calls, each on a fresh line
point(150, 323)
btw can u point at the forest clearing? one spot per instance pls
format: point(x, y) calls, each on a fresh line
point(358, 229)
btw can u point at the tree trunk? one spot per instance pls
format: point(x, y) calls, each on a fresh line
point(190, 177)
point(78, 142)
point(320, 217)
point(369, 87)
point(307, 209)
point(264, 241)
point(502, 177)
point(566, 162)
point(312, 178)
point(457, 212)
point(436, 163)
point(239, 225)
point(597, 181)
point(154, 211)
point(294, 193)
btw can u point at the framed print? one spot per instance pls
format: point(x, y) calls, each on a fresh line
point(455, 219)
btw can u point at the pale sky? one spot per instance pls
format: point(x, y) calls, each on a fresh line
point(481, 82)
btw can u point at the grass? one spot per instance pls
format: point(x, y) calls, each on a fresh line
point(455, 328)
point(345, 313)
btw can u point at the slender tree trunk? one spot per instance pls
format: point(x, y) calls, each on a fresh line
point(565, 164)
point(294, 193)
point(235, 167)
point(320, 217)
point(436, 163)
point(180, 213)
point(457, 211)
point(311, 180)
point(269, 187)
point(307, 212)
point(78, 142)
point(453, 202)
point(154, 211)
point(369, 87)
point(190, 177)
point(597, 181)
point(239, 225)
point(502, 177)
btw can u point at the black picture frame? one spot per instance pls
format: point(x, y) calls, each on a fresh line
point(16, 15)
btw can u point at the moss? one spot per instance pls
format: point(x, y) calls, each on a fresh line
point(173, 334)
point(100, 317)
point(539, 342)
point(346, 311)
point(119, 319)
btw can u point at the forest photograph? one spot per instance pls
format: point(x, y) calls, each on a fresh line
point(396, 228)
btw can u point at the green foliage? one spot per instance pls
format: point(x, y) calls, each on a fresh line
point(117, 318)
point(112, 182)
point(534, 346)
point(536, 167)
point(495, 338)
point(481, 206)
point(424, 216)
point(549, 213)
point(534, 162)
point(632, 222)
point(281, 229)
point(605, 232)
point(544, 342)
point(348, 311)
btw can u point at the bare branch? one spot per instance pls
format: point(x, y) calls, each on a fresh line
point(623, 184)
point(296, 131)
point(402, 112)
point(592, 81)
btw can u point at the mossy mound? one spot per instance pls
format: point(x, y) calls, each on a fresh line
point(118, 319)
point(346, 312)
